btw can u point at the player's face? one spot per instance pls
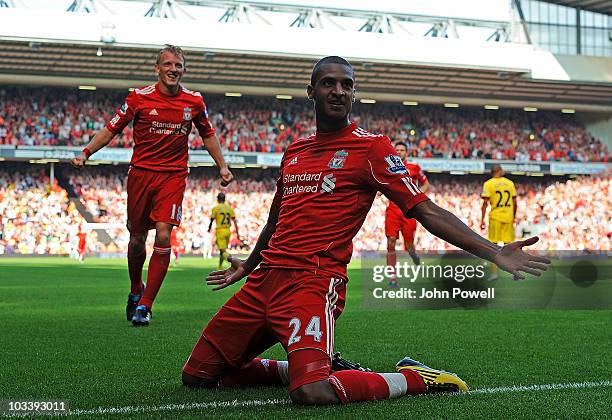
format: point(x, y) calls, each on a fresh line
point(401, 151)
point(333, 92)
point(170, 69)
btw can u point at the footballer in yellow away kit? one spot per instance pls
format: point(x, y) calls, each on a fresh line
point(223, 215)
point(500, 192)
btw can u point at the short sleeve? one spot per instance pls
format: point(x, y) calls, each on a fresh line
point(213, 213)
point(232, 212)
point(124, 115)
point(485, 191)
point(386, 172)
point(512, 189)
point(202, 122)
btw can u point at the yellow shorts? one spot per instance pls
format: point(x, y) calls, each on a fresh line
point(500, 232)
point(223, 237)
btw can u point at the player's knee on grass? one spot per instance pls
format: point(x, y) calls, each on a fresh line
point(205, 366)
point(309, 371)
point(191, 381)
point(316, 393)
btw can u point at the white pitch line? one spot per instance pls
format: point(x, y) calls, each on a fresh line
point(544, 387)
point(177, 407)
point(278, 401)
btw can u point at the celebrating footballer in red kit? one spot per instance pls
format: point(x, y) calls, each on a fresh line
point(396, 222)
point(326, 187)
point(162, 115)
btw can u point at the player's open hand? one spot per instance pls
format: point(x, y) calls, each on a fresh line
point(223, 278)
point(226, 176)
point(78, 161)
point(513, 259)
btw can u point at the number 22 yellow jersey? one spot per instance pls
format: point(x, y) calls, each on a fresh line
point(500, 192)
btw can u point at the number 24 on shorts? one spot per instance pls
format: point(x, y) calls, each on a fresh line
point(313, 329)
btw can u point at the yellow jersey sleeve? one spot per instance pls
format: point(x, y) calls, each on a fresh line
point(486, 190)
point(232, 213)
point(512, 189)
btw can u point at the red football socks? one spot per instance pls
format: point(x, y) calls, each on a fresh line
point(258, 372)
point(354, 385)
point(135, 263)
point(158, 267)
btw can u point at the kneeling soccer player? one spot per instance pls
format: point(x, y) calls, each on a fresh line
point(327, 185)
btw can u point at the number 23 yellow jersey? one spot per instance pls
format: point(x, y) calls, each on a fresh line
point(223, 214)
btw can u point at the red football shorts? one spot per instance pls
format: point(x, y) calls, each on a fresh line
point(396, 222)
point(294, 307)
point(154, 197)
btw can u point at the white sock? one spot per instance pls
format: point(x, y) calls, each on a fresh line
point(283, 371)
point(398, 386)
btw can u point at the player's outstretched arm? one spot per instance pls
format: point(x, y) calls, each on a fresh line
point(101, 139)
point(214, 149)
point(239, 269)
point(510, 258)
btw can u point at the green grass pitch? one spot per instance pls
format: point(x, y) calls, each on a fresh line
point(64, 336)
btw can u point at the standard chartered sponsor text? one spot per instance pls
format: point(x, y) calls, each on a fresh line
point(311, 180)
point(159, 127)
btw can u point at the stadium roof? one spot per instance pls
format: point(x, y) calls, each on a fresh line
point(241, 52)
point(597, 6)
point(121, 67)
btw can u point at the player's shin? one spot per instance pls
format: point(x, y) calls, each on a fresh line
point(221, 254)
point(391, 261)
point(136, 259)
point(158, 267)
point(414, 256)
point(259, 372)
point(354, 386)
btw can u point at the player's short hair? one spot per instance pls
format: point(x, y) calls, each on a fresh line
point(495, 169)
point(332, 59)
point(401, 143)
point(221, 197)
point(174, 49)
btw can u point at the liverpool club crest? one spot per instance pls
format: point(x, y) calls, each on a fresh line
point(337, 162)
point(187, 114)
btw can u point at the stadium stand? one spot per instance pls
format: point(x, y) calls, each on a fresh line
point(61, 117)
point(37, 218)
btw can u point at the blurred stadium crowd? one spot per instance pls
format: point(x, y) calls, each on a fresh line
point(38, 218)
point(57, 116)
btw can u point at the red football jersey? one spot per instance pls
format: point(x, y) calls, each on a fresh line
point(161, 126)
point(82, 239)
point(418, 178)
point(326, 187)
